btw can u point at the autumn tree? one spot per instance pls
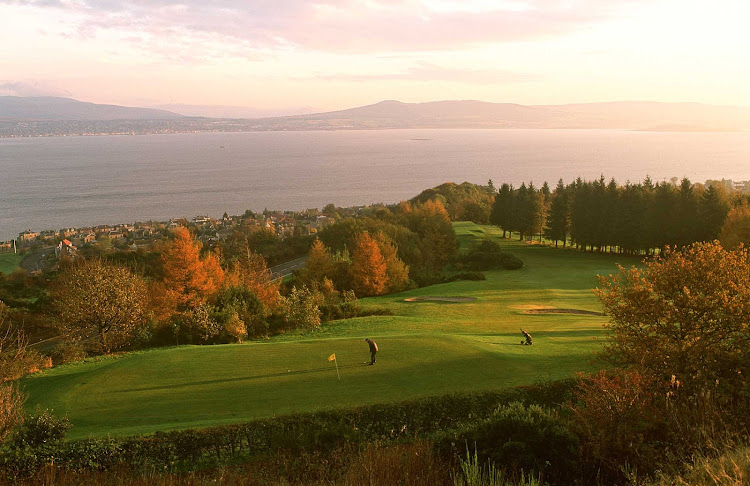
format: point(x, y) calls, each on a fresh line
point(368, 268)
point(396, 271)
point(687, 315)
point(189, 278)
point(437, 239)
point(249, 269)
point(736, 229)
point(319, 264)
point(98, 302)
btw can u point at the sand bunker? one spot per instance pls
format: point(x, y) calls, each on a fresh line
point(549, 310)
point(440, 299)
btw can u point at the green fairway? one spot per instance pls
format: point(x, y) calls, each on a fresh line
point(426, 348)
point(8, 262)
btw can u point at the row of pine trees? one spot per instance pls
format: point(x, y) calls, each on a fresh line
point(596, 215)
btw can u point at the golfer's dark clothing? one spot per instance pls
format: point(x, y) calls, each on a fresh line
point(373, 350)
point(528, 337)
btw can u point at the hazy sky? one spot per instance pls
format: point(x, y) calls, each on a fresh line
point(331, 54)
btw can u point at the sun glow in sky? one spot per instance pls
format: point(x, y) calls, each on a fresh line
point(330, 54)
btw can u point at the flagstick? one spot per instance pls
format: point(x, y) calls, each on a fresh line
point(337, 368)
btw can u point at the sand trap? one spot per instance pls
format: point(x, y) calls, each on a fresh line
point(440, 299)
point(562, 311)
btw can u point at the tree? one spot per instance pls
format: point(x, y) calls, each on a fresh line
point(301, 309)
point(189, 278)
point(12, 352)
point(736, 229)
point(558, 219)
point(685, 316)
point(368, 268)
point(319, 264)
point(100, 303)
point(397, 273)
point(437, 240)
point(503, 208)
point(249, 269)
point(712, 212)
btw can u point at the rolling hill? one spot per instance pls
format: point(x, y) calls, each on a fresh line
point(50, 108)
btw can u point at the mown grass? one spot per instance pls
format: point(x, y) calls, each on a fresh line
point(426, 348)
point(9, 261)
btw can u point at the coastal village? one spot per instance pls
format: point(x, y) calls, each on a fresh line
point(51, 245)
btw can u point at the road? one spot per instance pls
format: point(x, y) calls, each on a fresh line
point(285, 269)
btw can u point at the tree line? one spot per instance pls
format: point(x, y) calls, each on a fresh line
point(635, 218)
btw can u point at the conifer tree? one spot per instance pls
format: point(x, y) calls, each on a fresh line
point(558, 220)
point(503, 209)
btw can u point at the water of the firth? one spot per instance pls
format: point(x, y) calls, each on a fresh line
point(73, 181)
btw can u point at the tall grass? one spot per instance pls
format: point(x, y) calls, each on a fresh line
point(474, 473)
point(729, 469)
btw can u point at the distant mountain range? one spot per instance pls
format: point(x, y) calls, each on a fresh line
point(51, 108)
point(478, 114)
point(384, 115)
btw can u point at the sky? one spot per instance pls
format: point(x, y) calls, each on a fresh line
point(334, 54)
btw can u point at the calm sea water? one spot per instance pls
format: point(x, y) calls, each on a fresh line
point(76, 181)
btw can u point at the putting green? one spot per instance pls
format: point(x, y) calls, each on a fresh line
point(427, 349)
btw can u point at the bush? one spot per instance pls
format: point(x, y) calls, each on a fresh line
point(487, 255)
point(520, 439)
point(40, 429)
point(301, 433)
point(68, 352)
point(466, 276)
point(511, 262)
point(618, 421)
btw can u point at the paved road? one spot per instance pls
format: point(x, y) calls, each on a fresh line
point(281, 271)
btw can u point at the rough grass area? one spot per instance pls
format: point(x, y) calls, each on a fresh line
point(427, 349)
point(8, 262)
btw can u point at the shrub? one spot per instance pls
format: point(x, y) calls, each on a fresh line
point(68, 352)
point(302, 433)
point(519, 438)
point(301, 309)
point(40, 429)
point(618, 421)
point(511, 262)
point(488, 255)
point(466, 276)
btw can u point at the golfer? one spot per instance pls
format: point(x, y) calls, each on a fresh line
point(528, 342)
point(373, 350)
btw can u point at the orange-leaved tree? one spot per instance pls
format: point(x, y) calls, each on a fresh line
point(368, 268)
point(396, 271)
point(736, 229)
point(687, 315)
point(190, 279)
point(249, 269)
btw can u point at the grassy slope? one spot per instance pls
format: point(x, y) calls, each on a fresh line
point(9, 261)
point(425, 349)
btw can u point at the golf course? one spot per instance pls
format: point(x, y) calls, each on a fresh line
point(427, 347)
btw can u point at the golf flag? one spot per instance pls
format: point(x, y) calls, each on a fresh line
point(333, 358)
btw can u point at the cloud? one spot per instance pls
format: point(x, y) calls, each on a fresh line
point(349, 26)
point(431, 72)
point(30, 88)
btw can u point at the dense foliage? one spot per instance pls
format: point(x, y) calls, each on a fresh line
point(633, 219)
point(303, 432)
